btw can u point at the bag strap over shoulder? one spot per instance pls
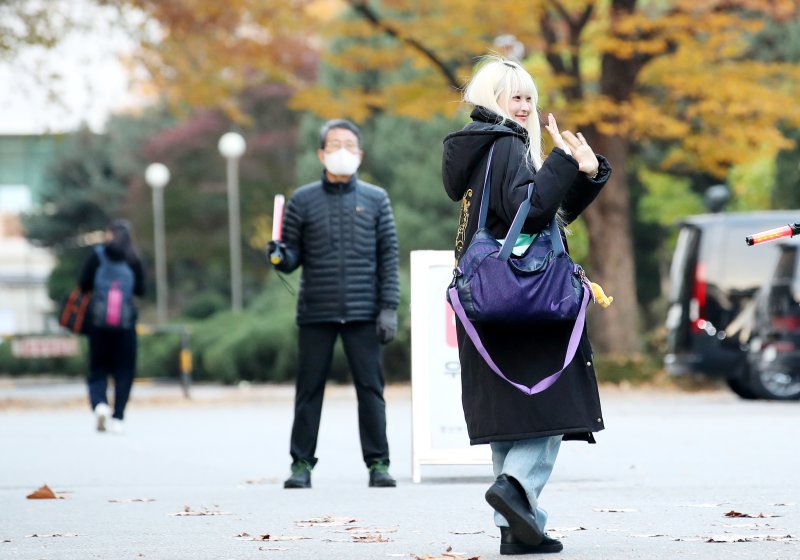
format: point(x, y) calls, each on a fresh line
point(487, 186)
point(572, 346)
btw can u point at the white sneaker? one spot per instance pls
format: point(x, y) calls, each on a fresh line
point(102, 412)
point(117, 427)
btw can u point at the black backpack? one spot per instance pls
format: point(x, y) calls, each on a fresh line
point(112, 297)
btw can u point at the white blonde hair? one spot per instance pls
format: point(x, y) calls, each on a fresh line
point(499, 79)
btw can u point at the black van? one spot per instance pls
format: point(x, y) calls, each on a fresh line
point(714, 277)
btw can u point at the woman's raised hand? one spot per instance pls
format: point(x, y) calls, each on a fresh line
point(552, 128)
point(583, 152)
point(574, 145)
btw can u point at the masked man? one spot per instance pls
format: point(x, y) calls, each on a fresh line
point(341, 231)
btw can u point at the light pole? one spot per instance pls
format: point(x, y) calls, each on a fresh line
point(231, 146)
point(157, 176)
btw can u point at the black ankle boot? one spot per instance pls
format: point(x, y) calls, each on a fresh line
point(379, 476)
point(301, 475)
point(509, 544)
point(508, 498)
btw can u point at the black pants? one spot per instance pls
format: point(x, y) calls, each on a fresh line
point(111, 353)
point(363, 351)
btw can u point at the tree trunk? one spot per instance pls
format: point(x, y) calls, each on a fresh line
point(614, 330)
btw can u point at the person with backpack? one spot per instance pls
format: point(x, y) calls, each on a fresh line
point(114, 274)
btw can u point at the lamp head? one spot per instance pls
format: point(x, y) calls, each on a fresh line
point(157, 175)
point(231, 145)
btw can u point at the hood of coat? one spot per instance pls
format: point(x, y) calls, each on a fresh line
point(466, 149)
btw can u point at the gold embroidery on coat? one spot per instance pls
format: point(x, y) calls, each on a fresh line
point(461, 233)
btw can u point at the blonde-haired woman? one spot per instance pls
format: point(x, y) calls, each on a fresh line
point(524, 432)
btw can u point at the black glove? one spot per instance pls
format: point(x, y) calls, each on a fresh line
point(386, 325)
point(276, 251)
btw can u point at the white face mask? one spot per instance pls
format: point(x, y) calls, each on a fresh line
point(342, 162)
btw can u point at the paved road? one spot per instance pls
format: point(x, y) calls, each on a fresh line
point(657, 485)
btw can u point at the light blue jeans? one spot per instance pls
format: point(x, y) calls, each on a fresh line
point(530, 462)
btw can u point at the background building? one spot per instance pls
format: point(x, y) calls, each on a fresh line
point(25, 306)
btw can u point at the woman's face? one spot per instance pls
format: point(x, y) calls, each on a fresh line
point(518, 106)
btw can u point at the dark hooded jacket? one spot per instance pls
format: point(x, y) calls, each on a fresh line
point(495, 410)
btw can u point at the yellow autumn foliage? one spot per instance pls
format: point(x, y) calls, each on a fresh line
point(674, 70)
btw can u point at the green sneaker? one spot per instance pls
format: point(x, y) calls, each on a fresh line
point(301, 475)
point(379, 476)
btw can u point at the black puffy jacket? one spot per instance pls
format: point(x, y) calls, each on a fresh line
point(343, 235)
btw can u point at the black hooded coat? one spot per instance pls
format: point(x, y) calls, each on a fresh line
point(493, 408)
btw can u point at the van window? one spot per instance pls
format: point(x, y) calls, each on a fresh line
point(740, 268)
point(730, 264)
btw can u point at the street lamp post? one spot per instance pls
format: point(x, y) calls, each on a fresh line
point(231, 146)
point(157, 176)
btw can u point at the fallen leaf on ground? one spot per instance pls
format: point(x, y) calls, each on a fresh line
point(35, 535)
point(187, 511)
point(614, 510)
point(327, 521)
point(370, 538)
point(131, 500)
point(44, 493)
point(748, 538)
point(654, 535)
point(271, 538)
point(749, 515)
point(6, 540)
point(466, 532)
point(731, 539)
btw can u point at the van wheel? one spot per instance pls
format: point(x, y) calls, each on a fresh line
point(741, 384)
point(775, 384)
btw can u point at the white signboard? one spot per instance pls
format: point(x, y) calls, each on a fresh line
point(439, 430)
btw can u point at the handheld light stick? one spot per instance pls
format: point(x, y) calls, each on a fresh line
point(789, 230)
point(277, 225)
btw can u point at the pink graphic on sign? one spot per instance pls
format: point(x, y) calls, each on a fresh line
point(450, 326)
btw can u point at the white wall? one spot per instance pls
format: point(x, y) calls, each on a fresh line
point(24, 270)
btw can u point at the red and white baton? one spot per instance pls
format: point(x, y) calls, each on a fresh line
point(789, 230)
point(277, 226)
